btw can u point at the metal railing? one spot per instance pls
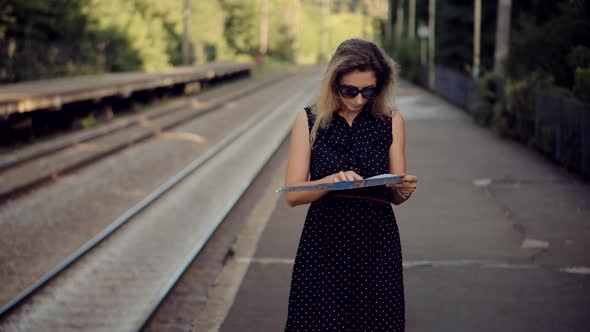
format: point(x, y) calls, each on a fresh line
point(559, 127)
point(562, 130)
point(457, 87)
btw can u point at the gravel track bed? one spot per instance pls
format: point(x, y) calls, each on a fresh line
point(151, 122)
point(41, 229)
point(190, 295)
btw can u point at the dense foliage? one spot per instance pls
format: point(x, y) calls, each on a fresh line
point(551, 36)
point(52, 38)
point(547, 36)
point(543, 98)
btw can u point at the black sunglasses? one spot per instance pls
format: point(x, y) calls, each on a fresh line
point(350, 92)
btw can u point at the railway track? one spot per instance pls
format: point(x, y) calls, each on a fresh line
point(116, 280)
point(22, 172)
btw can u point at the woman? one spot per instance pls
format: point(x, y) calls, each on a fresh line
point(348, 269)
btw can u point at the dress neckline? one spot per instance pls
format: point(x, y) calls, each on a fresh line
point(363, 111)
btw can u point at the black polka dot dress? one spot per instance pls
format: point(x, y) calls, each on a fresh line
point(348, 268)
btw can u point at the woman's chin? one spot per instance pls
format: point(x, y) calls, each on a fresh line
point(355, 110)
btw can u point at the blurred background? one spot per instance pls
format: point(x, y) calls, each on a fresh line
point(43, 39)
point(141, 143)
point(502, 60)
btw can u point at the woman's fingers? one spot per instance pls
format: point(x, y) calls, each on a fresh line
point(407, 187)
point(346, 176)
point(410, 178)
point(353, 176)
point(342, 176)
point(356, 176)
point(339, 177)
point(409, 181)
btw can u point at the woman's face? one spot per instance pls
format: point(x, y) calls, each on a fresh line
point(359, 80)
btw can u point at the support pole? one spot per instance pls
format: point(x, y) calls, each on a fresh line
point(502, 48)
point(412, 20)
point(431, 40)
point(186, 15)
point(476, 39)
point(264, 27)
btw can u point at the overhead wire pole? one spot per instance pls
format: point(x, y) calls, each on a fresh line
point(431, 40)
point(264, 27)
point(379, 13)
point(502, 48)
point(412, 20)
point(370, 20)
point(399, 20)
point(324, 31)
point(476, 38)
point(364, 18)
point(186, 14)
point(294, 23)
point(199, 55)
point(389, 21)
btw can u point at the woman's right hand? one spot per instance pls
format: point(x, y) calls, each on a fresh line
point(344, 176)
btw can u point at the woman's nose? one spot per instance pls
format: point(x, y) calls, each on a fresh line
point(358, 99)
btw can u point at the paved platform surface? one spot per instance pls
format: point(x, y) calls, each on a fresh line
point(494, 239)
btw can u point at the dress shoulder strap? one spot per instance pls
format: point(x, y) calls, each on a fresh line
point(310, 118)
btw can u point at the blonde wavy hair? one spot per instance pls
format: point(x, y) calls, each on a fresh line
point(354, 54)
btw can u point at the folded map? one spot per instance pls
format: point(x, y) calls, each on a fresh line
point(377, 180)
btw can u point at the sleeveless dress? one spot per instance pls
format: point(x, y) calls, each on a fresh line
point(348, 269)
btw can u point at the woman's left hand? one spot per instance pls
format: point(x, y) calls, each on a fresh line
point(407, 187)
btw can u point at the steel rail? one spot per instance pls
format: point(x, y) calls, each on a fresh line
point(217, 222)
point(11, 161)
point(128, 215)
point(115, 149)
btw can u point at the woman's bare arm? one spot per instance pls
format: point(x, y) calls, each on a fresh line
point(397, 153)
point(298, 166)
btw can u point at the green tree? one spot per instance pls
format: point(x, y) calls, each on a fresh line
point(142, 27)
point(454, 34)
point(207, 32)
point(240, 26)
point(546, 35)
point(43, 39)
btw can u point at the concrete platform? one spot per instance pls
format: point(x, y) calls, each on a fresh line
point(494, 239)
point(53, 93)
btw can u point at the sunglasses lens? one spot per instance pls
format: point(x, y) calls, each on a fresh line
point(348, 91)
point(370, 93)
